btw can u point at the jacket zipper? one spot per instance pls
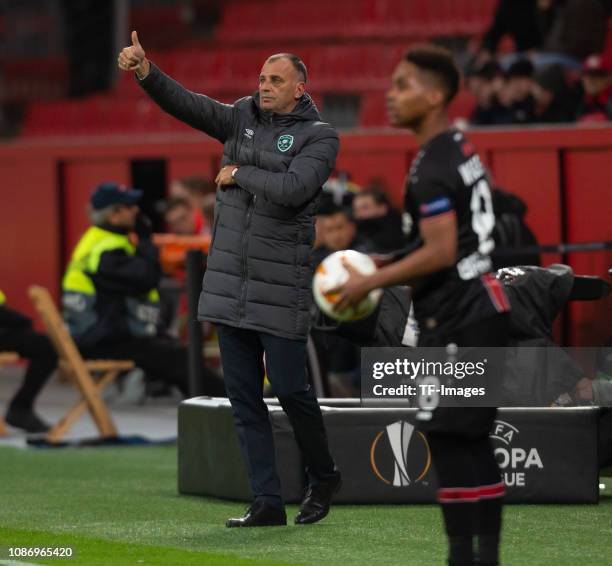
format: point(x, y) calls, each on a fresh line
point(245, 266)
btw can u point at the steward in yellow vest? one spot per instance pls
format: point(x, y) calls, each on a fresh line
point(110, 285)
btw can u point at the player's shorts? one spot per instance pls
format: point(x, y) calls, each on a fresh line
point(466, 422)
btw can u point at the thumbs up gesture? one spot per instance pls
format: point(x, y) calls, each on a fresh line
point(133, 58)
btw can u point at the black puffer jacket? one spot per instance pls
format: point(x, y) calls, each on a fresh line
point(259, 269)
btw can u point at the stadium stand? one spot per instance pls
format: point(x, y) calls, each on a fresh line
point(348, 47)
point(349, 19)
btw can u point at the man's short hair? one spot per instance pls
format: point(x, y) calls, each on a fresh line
point(439, 62)
point(378, 196)
point(334, 209)
point(197, 185)
point(297, 63)
point(175, 203)
point(521, 69)
point(99, 216)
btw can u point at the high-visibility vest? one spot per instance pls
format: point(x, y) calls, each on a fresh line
point(2, 298)
point(79, 291)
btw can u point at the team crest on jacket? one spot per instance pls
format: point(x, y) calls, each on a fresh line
point(284, 142)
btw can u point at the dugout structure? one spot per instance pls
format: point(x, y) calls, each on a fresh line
point(546, 455)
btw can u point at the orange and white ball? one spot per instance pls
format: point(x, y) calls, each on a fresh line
point(331, 273)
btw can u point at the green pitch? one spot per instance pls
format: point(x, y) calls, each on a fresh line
point(117, 506)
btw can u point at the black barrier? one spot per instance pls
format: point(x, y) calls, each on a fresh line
point(546, 455)
point(195, 272)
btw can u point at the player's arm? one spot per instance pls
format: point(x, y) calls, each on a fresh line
point(305, 176)
point(196, 110)
point(438, 252)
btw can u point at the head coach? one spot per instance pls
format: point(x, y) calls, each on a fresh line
point(276, 155)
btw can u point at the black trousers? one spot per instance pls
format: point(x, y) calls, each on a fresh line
point(38, 350)
point(162, 359)
point(471, 488)
point(242, 355)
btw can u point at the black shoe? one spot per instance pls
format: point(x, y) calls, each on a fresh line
point(315, 505)
point(27, 420)
point(260, 514)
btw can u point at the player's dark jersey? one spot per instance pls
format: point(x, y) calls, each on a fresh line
point(447, 175)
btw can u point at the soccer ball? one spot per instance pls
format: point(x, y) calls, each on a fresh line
point(330, 273)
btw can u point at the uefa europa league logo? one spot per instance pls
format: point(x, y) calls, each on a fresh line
point(405, 455)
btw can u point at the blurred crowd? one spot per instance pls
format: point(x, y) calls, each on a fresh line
point(558, 72)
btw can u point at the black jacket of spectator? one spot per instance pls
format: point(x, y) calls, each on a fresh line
point(259, 268)
point(511, 232)
point(519, 19)
point(536, 296)
point(494, 114)
point(383, 234)
point(575, 27)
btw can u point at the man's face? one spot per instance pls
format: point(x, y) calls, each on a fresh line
point(178, 190)
point(338, 231)
point(482, 89)
point(411, 96)
point(520, 88)
point(594, 83)
point(124, 216)
point(365, 207)
point(280, 86)
point(180, 221)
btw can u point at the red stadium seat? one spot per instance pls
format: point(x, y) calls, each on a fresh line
point(348, 46)
point(350, 19)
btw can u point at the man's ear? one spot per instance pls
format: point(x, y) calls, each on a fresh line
point(435, 97)
point(300, 89)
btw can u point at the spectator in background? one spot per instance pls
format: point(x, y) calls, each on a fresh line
point(110, 296)
point(17, 335)
point(377, 221)
point(571, 30)
point(208, 210)
point(556, 101)
point(340, 188)
point(503, 98)
point(340, 232)
point(597, 82)
point(341, 357)
point(486, 82)
point(194, 189)
point(517, 18)
point(548, 31)
point(518, 92)
point(179, 217)
point(511, 232)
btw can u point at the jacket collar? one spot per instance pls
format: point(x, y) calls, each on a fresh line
point(305, 110)
point(113, 229)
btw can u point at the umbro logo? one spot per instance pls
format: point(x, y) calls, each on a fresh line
point(249, 133)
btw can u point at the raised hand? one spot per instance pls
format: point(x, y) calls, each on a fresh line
point(133, 58)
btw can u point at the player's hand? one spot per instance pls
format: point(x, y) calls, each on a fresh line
point(380, 260)
point(353, 291)
point(224, 177)
point(133, 58)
